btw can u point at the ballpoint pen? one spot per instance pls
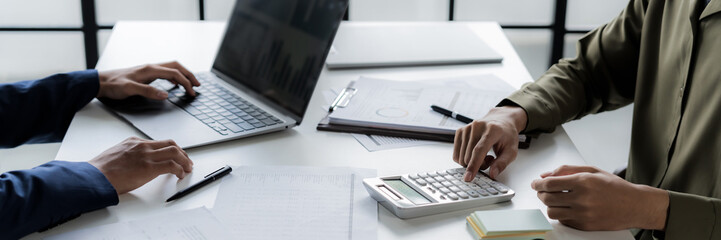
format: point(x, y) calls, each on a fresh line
point(217, 174)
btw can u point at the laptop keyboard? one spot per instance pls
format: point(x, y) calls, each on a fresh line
point(223, 111)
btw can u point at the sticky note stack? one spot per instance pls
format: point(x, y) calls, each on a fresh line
point(508, 224)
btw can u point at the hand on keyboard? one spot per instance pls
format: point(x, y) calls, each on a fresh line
point(123, 83)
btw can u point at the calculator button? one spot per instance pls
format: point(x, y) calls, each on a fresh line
point(457, 182)
point(473, 193)
point(422, 182)
point(501, 188)
point(455, 189)
point(460, 170)
point(433, 174)
point(492, 191)
point(483, 192)
point(413, 176)
point(450, 177)
point(430, 180)
point(437, 185)
point(476, 188)
point(451, 171)
point(464, 187)
point(441, 173)
point(447, 184)
point(484, 185)
point(452, 196)
point(444, 190)
point(458, 176)
point(463, 195)
point(439, 179)
point(423, 175)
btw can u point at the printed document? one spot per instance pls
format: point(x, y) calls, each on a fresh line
point(193, 224)
point(404, 105)
point(283, 202)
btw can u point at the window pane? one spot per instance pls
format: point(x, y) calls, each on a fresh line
point(31, 55)
point(527, 12)
point(586, 15)
point(42, 13)
point(218, 9)
point(533, 46)
point(569, 46)
point(110, 11)
point(103, 37)
point(398, 10)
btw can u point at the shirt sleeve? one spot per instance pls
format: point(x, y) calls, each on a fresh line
point(692, 217)
point(600, 78)
point(47, 195)
point(41, 110)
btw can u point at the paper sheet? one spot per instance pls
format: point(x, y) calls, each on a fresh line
point(281, 202)
point(406, 105)
point(193, 224)
point(374, 143)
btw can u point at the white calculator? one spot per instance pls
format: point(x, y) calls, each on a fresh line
point(420, 194)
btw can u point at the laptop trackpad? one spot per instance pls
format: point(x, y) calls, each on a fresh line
point(134, 104)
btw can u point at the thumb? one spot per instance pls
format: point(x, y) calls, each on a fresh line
point(145, 90)
point(570, 169)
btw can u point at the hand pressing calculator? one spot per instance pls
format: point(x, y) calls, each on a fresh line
point(420, 194)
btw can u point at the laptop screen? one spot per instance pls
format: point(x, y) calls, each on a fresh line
point(277, 48)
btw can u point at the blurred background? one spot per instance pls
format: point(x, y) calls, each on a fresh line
point(42, 37)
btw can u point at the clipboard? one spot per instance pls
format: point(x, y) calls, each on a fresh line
point(345, 97)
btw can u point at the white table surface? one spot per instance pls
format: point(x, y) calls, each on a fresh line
point(194, 44)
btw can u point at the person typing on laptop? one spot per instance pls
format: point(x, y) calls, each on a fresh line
point(40, 111)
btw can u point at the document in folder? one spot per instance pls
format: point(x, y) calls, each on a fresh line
point(405, 106)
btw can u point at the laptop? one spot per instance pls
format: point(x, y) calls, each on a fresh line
point(364, 45)
point(262, 79)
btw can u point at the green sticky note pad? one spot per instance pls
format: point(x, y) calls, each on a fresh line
point(504, 222)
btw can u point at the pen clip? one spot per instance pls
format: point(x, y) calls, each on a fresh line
point(221, 169)
point(344, 97)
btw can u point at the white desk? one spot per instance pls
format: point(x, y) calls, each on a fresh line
point(194, 44)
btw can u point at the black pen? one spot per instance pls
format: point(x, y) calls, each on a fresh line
point(452, 114)
point(217, 174)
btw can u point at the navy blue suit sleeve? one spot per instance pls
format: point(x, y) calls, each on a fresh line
point(42, 197)
point(41, 110)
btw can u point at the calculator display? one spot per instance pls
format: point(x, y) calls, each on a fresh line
point(407, 191)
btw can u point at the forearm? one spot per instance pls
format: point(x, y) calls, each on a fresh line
point(41, 110)
point(49, 194)
point(601, 77)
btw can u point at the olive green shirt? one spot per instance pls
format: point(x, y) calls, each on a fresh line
point(665, 57)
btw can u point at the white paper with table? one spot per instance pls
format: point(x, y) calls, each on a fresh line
point(193, 224)
point(281, 202)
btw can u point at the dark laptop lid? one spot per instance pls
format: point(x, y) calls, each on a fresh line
point(277, 48)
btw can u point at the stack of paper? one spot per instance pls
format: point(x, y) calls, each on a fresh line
point(508, 224)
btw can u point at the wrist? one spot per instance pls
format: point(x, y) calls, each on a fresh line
point(517, 115)
point(102, 80)
point(652, 210)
